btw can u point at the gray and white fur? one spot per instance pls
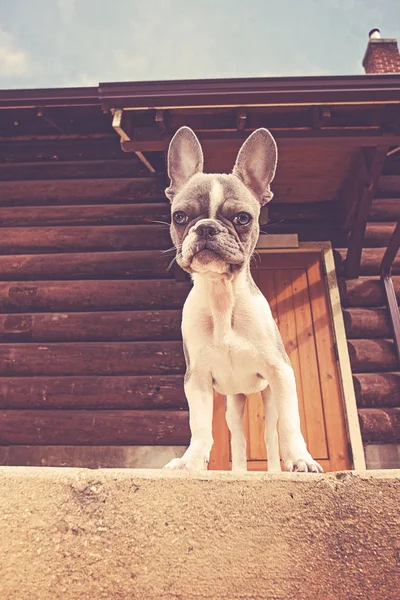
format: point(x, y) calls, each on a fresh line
point(231, 341)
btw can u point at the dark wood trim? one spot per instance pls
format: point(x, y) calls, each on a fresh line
point(386, 278)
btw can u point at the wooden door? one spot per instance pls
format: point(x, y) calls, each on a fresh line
point(294, 285)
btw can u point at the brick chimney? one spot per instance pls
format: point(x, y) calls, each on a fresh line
point(381, 56)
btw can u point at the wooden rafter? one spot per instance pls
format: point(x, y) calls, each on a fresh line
point(123, 126)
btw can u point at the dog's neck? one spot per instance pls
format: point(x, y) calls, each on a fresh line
point(220, 292)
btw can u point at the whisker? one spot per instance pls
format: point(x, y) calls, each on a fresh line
point(171, 263)
point(161, 222)
point(168, 250)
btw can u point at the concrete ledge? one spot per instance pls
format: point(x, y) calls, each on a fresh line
point(121, 534)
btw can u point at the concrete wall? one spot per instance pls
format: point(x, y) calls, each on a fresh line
point(121, 534)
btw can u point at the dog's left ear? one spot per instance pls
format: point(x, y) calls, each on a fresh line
point(256, 164)
point(185, 159)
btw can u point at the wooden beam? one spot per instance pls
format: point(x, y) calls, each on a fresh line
point(241, 118)
point(374, 159)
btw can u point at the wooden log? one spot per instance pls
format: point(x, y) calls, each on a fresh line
point(389, 186)
point(79, 191)
point(33, 240)
point(367, 323)
point(123, 392)
point(91, 327)
point(303, 212)
point(80, 169)
point(385, 209)
point(380, 425)
point(107, 214)
point(365, 291)
point(56, 296)
point(371, 260)
point(91, 265)
point(371, 356)
point(377, 390)
point(94, 427)
point(90, 457)
point(91, 358)
point(377, 235)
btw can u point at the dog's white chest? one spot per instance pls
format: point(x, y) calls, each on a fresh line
point(236, 367)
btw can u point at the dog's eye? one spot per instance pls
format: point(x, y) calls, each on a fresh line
point(180, 217)
point(242, 218)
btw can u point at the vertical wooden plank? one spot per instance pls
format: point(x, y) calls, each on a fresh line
point(256, 426)
point(219, 457)
point(329, 378)
point(309, 373)
point(287, 326)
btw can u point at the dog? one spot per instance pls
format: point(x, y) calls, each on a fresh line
point(230, 339)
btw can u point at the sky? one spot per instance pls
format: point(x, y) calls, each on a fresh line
point(66, 43)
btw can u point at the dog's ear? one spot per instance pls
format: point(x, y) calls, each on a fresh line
point(185, 159)
point(256, 163)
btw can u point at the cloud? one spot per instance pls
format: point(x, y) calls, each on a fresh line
point(13, 60)
point(66, 9)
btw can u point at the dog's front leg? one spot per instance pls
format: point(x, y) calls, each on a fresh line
point(200, 397)
point(293, 447)
point(234, 418)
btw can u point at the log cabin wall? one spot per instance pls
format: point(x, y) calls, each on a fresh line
point(91, 359)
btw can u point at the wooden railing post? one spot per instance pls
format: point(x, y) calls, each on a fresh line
point(386, 278)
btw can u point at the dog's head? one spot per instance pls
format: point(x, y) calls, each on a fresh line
point(215, 217)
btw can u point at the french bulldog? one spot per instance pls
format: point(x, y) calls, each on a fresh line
point(230, 339)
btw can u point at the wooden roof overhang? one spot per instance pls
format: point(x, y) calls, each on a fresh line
point(333, 133)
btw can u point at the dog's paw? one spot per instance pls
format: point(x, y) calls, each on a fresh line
point(193, 464)
point(303, 465)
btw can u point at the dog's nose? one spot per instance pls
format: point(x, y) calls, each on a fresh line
point(206, 231)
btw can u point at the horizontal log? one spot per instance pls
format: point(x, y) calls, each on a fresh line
point(37, 240)
point(94, 427)
point(377, 390)
point(91, 295)
point(380, 425)
point(377, 235)
point(97, 214)
point(303, 212)
point(371, 356)
point(371, 260)
point(389, 185)
point(91, 358)
point(91, 265)
point(79, 191)
point(392, 165)
point(141, 392)
point(91, 327)
point(365, 291)
point(367, 323)
point(385, 209)
point(90, 457)
point(81, 169)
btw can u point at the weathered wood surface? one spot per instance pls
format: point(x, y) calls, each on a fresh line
point(76, 191)
point(91, 327)
point(385, 209)
point(367, 323)
point(371, 260)
point(36, 240)
point(91, 358)
point(91, 295)
point(377, 235)
point(96, 214)
point(94, 427)
point(92, 391)
point(372, 356)
point(389, 185)
point(82, 169)
point(92, 265)
point(59, 150)
point(365, 291)
point(377, 390)
point(380, 425)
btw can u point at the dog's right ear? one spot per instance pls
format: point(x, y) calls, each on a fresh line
point(185, 159)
